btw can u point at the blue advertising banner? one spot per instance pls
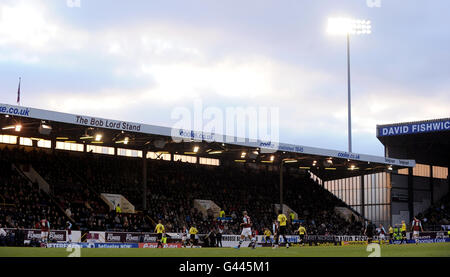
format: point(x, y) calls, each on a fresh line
point(440, 240)
point(414, 128)
point(92, 245)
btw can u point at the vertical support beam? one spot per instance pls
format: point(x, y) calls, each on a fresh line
point(363, 202)
point(410, 194)
point(53, 144)
point(144, 179)
point(431, 184)
point(349, 96)
point(281, 186)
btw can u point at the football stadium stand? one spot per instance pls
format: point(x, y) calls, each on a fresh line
point(421, 190)
point(172, 188)
point(57, 165)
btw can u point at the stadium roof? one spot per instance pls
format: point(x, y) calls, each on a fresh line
point(326, 163)
point(426, 141)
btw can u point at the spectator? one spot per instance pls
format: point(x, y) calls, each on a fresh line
point(118, 209)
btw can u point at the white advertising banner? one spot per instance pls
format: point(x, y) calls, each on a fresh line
point(268, 146)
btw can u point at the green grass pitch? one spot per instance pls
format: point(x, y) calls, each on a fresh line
point(410, 250)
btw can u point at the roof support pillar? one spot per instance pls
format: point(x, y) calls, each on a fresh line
point(363, 201)
point(144, 179)
point(431, 184)
point(410, 194)
point(281, 186)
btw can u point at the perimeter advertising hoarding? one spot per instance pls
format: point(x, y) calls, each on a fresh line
point(53, 235)
point(134, 237)
point(91, 245)
point(155, 245)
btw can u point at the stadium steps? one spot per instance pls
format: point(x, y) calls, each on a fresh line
point(112, 199)
point(32, 174)
point(42, 183)
point(286, 210)
point(204, 205)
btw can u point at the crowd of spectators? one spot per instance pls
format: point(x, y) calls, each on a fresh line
point(173, 187)
point(437, 216)
point(23, 204)
point(76, 179)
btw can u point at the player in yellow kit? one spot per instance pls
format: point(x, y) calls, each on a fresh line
point(282, 219)
point(301, 233)
point(391, 234)
point(267, 235)
point(193, 232)
point(159, 230)
point(403, 230)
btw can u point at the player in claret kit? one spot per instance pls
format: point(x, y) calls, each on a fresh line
point(184, 236)
point(45, 228)
point(275, 234)
point(246, 231)
point(69, 231)
point(416, 226)
point(381, 234)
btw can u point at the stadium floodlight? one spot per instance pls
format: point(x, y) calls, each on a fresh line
point(290, 161)
point(126, 140)
point(98, 137)
point(45, 129)
point(18, 127)
point(349, 26)
point(243, 154)
point(196, 148)
point(8, 127)
point(272, 158)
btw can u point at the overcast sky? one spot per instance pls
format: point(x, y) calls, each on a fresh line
point(138, 60)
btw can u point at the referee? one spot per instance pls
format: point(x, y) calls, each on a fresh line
point(370, 231)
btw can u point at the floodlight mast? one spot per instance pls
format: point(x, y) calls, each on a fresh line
point(347, 26)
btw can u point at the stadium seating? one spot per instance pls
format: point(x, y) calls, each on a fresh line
point(76, 180)
point(437, 215)
point(23, 204)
